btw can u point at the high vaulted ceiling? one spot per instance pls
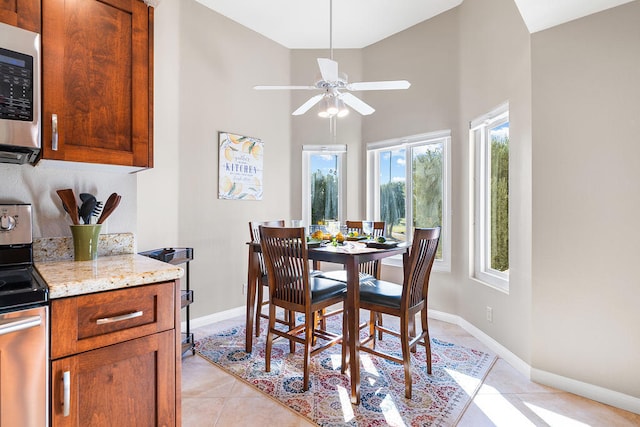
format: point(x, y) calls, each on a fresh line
point(304, 24)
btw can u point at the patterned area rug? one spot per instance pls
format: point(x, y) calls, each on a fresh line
point(438, 399)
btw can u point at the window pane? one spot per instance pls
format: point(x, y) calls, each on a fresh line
point(324, 188)
point(426, 164)
point(392, 192)
point(499, 188)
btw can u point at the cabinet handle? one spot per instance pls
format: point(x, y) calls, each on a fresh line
point(127, 316)
point(54, 132)
point(66, 393)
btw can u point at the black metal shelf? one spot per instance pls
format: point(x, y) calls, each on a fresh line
point(177, 256)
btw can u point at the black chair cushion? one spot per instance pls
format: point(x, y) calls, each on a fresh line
point(341, 275)
point(323, 289)
point(380, 292)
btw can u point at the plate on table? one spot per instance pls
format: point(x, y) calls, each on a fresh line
point(385, 245)
point(356, 238)
point(313, 243)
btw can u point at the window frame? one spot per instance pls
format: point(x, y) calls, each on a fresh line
point(480, 229)
point(373, 188)
point(307, 151)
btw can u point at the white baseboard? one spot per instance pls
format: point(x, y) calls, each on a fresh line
point(215, 317)
point(494, 345)
point(590, 391)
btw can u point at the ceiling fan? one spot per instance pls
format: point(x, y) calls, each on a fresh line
point(335, 88)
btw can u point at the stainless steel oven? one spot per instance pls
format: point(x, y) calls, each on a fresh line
point(24, 330)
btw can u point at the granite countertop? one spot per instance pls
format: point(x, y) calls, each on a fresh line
point(68, 278)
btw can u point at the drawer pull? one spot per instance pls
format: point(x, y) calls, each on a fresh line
point(66, 393)
point(54, 132)
point(127, 316)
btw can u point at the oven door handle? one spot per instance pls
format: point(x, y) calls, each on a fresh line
point(8, 326)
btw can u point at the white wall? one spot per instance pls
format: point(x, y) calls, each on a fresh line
point(586, 121)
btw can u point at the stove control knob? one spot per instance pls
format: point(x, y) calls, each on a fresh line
point(7, 222)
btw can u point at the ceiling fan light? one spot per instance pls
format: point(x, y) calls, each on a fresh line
point(342, 109)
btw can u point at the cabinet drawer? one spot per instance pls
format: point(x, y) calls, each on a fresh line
point(91, 321)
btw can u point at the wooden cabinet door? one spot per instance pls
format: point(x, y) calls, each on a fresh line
point(97, 68)
point(21, 13)
point(126, 384)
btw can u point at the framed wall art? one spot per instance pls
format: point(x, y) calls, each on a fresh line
point(240, 167)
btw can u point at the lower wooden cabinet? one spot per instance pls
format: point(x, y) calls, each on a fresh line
point(132, 376)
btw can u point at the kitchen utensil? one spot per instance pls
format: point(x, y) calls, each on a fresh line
point(109, 206)
point(96, 211)
point(70, 204)
point(89, 203)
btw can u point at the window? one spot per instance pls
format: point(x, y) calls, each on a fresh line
point(409, 186)
point(323, 183)
point(489, 137)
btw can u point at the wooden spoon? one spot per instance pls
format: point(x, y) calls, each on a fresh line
point(70, 204)
point(109, 206)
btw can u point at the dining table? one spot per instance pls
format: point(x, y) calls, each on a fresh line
point(349, 255)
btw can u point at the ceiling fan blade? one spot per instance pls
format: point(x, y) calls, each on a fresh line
point(357, 104)
point(283, 87)
point(328, 69)
point(383, 85)
point(307, 105)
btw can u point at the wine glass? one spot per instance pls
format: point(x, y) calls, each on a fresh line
point(367, 228)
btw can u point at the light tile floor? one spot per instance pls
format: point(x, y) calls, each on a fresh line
point(211, 397)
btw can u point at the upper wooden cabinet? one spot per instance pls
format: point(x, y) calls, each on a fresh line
point(21, 13)
point(97, 81)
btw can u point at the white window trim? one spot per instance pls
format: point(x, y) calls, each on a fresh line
point(478, 137)
point(373, 209)
point(307, 151)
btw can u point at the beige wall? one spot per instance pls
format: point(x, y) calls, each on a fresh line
point(212, 65)
point(495, 67)
point(586, 121)
point(38, 184)
point(461, 64)
point(427, 56)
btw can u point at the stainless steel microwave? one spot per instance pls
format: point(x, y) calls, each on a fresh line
point(19, 95)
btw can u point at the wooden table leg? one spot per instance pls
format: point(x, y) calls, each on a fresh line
point(252, 281)
point(353, 319)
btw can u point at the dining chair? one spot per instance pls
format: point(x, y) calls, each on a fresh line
point(264, 281)
point(404, 302)
point(356, 226)
point(293, 288)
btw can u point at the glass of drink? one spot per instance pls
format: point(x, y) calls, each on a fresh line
point(367, 228)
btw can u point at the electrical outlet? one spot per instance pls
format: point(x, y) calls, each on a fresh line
point(244, 289)
point(489, 314)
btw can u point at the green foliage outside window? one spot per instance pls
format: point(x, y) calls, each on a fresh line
point(426, 200)
point(324, 196)
point(500, 204)
point(392, 206)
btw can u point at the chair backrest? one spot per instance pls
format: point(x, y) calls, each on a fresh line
point(255, 237)
point(378, 227)
point(287, 262)
point(421, 257)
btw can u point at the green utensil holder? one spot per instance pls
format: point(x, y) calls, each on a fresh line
point(85, 241)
